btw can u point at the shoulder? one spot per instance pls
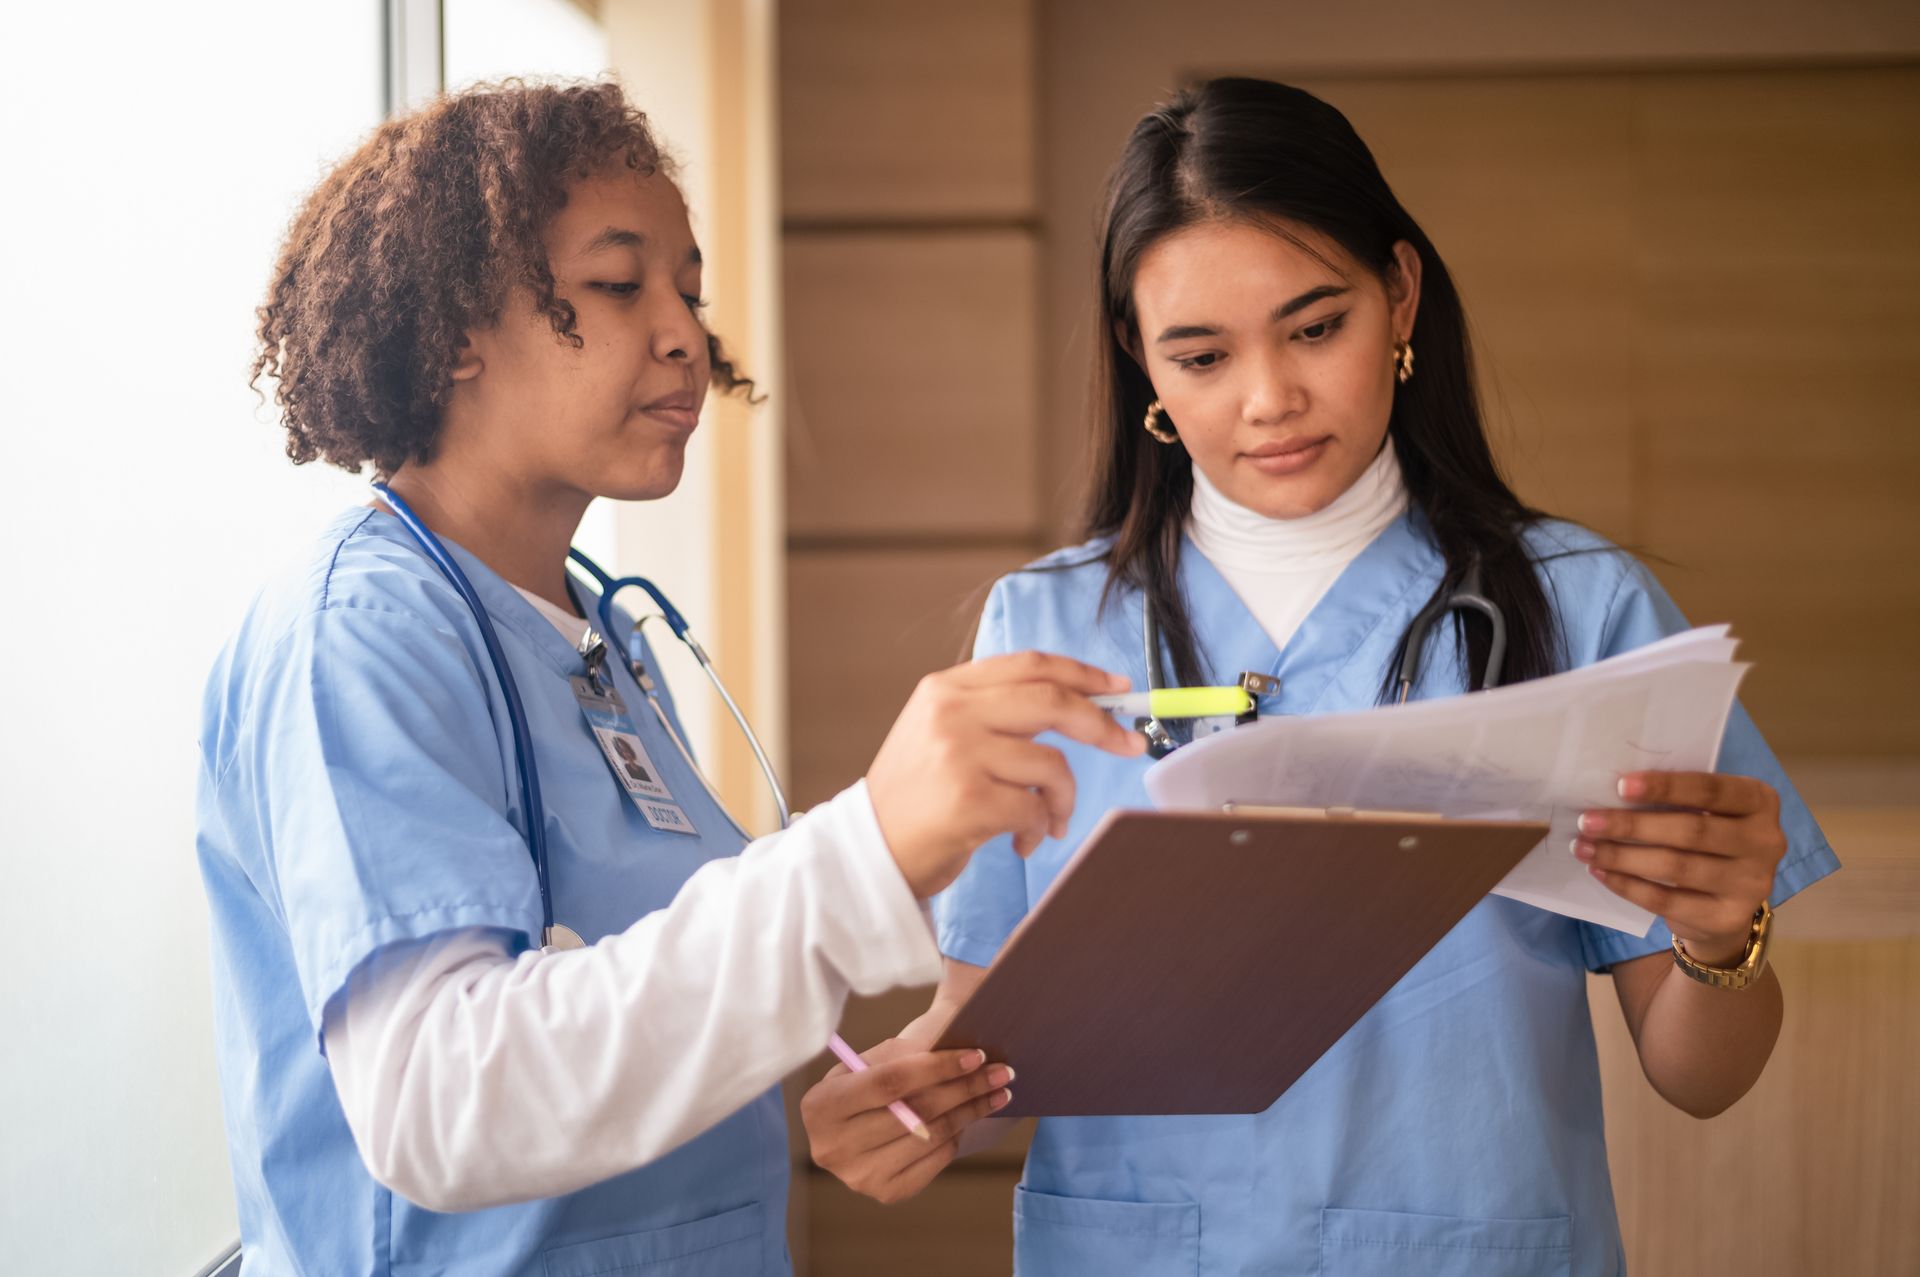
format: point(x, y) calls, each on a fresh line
point(1053, 603)
point(360, 562)
point(357, 589)
point(1607, 601)
point(1071, 577)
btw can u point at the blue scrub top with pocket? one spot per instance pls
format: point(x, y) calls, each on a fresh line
point(1456, 1129)
point(358, 790)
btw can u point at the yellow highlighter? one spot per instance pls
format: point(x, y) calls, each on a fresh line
point(1179, 702)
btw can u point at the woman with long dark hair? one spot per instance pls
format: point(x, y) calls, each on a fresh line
point(1281, 488)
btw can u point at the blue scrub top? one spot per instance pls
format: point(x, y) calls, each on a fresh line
point(358, 789)
point(1456, 1129)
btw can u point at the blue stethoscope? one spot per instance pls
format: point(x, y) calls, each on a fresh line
point(555, 936)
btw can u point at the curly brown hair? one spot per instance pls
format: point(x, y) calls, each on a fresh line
point(418, 237)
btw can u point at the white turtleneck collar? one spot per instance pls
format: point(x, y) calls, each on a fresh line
point(1280, 568)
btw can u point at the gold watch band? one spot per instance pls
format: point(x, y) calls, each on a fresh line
point(1742, 974)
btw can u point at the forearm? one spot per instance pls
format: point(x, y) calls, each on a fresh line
point(1702, 1048)
point(502, 1079)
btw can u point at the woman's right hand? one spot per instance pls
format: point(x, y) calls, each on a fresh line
point(854, 1135)
point(960, 764)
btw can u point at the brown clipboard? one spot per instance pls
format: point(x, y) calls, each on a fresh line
point(1200, 962)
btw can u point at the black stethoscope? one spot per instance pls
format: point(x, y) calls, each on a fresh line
point(1161, 739)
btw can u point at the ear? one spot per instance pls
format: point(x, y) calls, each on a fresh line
point(1129, 341)
point(466, 361)
point(1403, 290)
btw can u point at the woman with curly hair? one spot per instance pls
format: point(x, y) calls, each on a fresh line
point(494, 305)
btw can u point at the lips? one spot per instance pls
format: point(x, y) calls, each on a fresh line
point(680, 409)
point(1285, 447)
point(1287, 456)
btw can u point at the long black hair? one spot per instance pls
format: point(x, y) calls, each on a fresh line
point(1281, 158)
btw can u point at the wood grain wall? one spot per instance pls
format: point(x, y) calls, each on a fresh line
point(1696, 296)
point(913, 452)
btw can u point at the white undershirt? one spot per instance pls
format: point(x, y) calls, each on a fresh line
point(470, 1077)
point(1280, 568)
point(569, 625)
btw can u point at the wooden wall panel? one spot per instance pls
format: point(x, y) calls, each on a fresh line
point(1826, 1148)
point(1779, 378)
point(911, 284)
point(914, 383)
point(1526, 188)
point(1817, 1169)
point(907, 111)
point(1877, 896)
point(864, 626)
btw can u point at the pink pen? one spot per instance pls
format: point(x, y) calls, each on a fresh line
point(851, 1058)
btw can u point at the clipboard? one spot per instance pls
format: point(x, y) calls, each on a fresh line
point(1200, 962)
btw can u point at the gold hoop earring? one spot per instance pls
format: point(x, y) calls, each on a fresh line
point(1403, 360)
point(1164, 434)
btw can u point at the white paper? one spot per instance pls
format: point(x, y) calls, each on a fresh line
point(1543, 750)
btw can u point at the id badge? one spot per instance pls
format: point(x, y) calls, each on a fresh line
point(627, 757)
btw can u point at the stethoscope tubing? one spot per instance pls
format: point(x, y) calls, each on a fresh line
point(531, 806)
point(531, 802)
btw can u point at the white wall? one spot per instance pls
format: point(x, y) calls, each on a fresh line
point(153, 158)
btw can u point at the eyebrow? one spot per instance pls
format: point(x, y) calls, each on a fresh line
point(614, 237)
point(1285, 309)
point(620, 237)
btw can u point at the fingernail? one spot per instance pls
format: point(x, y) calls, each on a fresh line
point(1599, 874)
point(1582, 849)
point(1592, 822)
point(1632, 786)
point(972, 1060)
point(999, 1075)
point(1004, 1098)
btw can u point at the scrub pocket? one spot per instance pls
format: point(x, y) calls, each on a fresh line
point(1068, 1235)
point(1379, 1243)
point(724, 1245)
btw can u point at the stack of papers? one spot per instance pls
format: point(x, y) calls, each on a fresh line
point(1545, 750)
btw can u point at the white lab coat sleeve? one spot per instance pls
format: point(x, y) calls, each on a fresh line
point(472, 1078)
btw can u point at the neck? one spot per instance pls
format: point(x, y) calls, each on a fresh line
point(1232, 535)
point(520, 530)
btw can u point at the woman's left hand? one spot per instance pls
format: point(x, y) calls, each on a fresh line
point(1705, 864)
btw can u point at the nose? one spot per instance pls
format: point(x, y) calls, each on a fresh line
point(1274, 392)
point(678, 335)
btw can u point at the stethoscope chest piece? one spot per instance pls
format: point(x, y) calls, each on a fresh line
point(560, 936)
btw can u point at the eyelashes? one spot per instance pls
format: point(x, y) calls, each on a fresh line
point(1314, 334)
point(620, 288)
point(1328, 327)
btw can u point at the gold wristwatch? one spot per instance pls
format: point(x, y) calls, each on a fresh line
point(1743, 974)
